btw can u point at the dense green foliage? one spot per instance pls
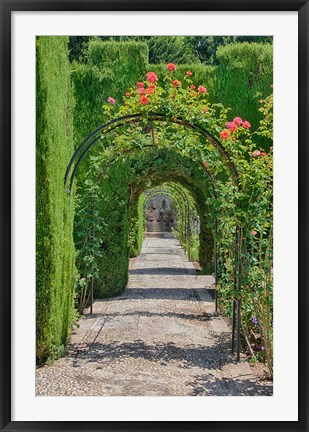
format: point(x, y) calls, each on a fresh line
point(136, 228)
point(55, 253)
point(164, 49)
point(108, 72)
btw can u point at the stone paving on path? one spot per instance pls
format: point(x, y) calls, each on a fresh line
point(161, 337)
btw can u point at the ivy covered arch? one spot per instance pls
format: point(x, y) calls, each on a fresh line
point(178, 116)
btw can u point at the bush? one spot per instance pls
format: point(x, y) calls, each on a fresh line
point(55, 253)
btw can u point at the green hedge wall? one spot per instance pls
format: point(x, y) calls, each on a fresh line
point(111, 69)
point(244, 76)
point(55, 252)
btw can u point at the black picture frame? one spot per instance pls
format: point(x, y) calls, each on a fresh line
point(7, 7)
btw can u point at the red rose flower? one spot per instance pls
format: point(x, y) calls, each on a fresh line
point(139, 84)
point(171, 66)
point(188, 73)
point(141, 90)
point(246, 124)
point(176, 83)
point(263, 154)
point(144, 100)
point(150, 90)
point(205, 109)
point(192, 87)
point(205, 164)
point(151, 77)
point(128, 94)
point(225, 134)
point(202, 89)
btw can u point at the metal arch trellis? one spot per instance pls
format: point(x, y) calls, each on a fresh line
point(212, 182)
point(105, 129)
point(85, 146)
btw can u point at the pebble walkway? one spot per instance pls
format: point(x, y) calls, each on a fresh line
point(161, 337)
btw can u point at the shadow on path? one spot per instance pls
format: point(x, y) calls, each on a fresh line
point(170, 271)
point(240, 386)
point(209, 357)
point(158, 293)
point(205, 316)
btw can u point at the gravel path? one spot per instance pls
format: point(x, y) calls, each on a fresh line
point(161, 337)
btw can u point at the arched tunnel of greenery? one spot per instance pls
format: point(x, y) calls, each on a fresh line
point(120, 226)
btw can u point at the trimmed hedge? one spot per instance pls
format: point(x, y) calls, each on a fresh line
point(55, 252)
point(111, 69)
point(243, 77)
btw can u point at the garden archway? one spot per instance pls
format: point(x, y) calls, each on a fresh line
point(119, 122)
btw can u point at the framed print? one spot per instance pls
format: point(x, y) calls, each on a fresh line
point(154, 215)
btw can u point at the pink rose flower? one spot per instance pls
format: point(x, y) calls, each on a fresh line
point(128, 94)
point(205, 164)
point(232, 126)
point(237, 121)
point(256, 153)
point(176, 83)
point(246, 124)
point(111, 100)
point(171, 66)
point(139, 84)
point(192, 87)
point(202, 89)
point(188, 73)
point(253, 233)
point(141, 90)
point(151, 77)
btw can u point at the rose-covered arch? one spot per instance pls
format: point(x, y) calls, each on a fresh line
point(119, 122)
